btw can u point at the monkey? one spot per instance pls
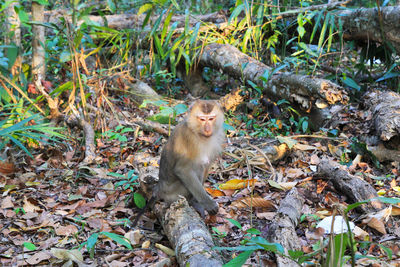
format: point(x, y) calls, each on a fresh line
point(185, 159)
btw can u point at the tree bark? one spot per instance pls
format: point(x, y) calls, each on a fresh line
point(283, 228)
point(129, 21)
point(355, 188)
point(384, 107)
point(182, 225)
point(13, 25)
point(38, 42)
point(369, 24)
point(188, 234)
point(313, 95)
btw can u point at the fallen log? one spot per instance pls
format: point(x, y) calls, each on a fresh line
point(355, 188)
point(188, 234)
point(183, 226)
point(132, 21)
point(283, 228)
point(372, 24)
point(138, 91)
point(384, 107)
point(313, 95)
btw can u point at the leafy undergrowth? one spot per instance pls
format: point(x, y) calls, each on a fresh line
point(55, 210)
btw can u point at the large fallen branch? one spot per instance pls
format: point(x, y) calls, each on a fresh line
point(183, 226)
point(283, 228)
point(132, 21)
point(355, 188)
point(188, 234)
point(311, 94)
point(385, 109)
point(371, 24)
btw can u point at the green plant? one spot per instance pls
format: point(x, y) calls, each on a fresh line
point(29, 246)
point(218, 233)
point(130, 182)
point(92, 240)
point(18, 129)
point(18, 210)
point(251, 242)
point(118, 133)
point(167, 114)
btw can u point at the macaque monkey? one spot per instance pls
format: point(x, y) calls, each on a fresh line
point(185, 159)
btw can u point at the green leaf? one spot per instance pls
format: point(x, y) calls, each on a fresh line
point(30, 246)
point(156, 24)
point(320, 13)
point(340, 243)
point(307, 49)
point(195, 33)
point(239, 260)
point(253, 231)
point(65, 56)
point(140, 201)
point(301, 30)
point(111, 5)
point(275, 185)
point(170, 33)
point(19, 144)
point(91, 243)
point(387, 200)
point(158, 46)
point(180, 109)
point(239, 248)
point(5, 4)
point(166, 25)
point(350, 83)
point(287, 140)
point(165, 116)
point(355, 205)
point(273, 247)
point(228, 127)
point(323, 31)
point(117, 238)
point(23, 16)
point(387, 250)
point(42, 2)
point(304, 126)
point(144, 8)
point(388, 75)
point(235, 223)
point(246, 38)
point(12, 54)
point(116, 175)
point(295, 254)
point(236, 12)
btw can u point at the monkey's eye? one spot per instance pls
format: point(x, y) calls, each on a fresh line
point(202, 119)
point(211, 118)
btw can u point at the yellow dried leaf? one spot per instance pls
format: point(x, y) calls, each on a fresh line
point(165, 249)
point(254, 202)
point(215, 192)
point(236, 184)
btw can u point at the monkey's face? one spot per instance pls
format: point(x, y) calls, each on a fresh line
point(205, 118)
point(207, 123)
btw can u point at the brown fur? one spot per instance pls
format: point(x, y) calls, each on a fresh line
point(187, 155)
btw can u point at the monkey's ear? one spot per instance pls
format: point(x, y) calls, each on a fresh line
point(220, 104)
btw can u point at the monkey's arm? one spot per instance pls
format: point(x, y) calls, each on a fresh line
point(192, 183)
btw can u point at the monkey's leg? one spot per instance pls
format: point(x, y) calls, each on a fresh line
point(195, 187)
point(198, 207)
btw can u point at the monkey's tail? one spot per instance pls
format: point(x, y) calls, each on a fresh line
point(149, 204)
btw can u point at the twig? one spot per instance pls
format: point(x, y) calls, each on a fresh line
point(267, 159)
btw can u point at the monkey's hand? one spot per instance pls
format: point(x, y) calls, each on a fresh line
point(213, 209)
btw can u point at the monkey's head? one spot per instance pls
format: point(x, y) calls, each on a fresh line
point(205, 117)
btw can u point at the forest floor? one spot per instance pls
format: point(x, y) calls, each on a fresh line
point(55, 210)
